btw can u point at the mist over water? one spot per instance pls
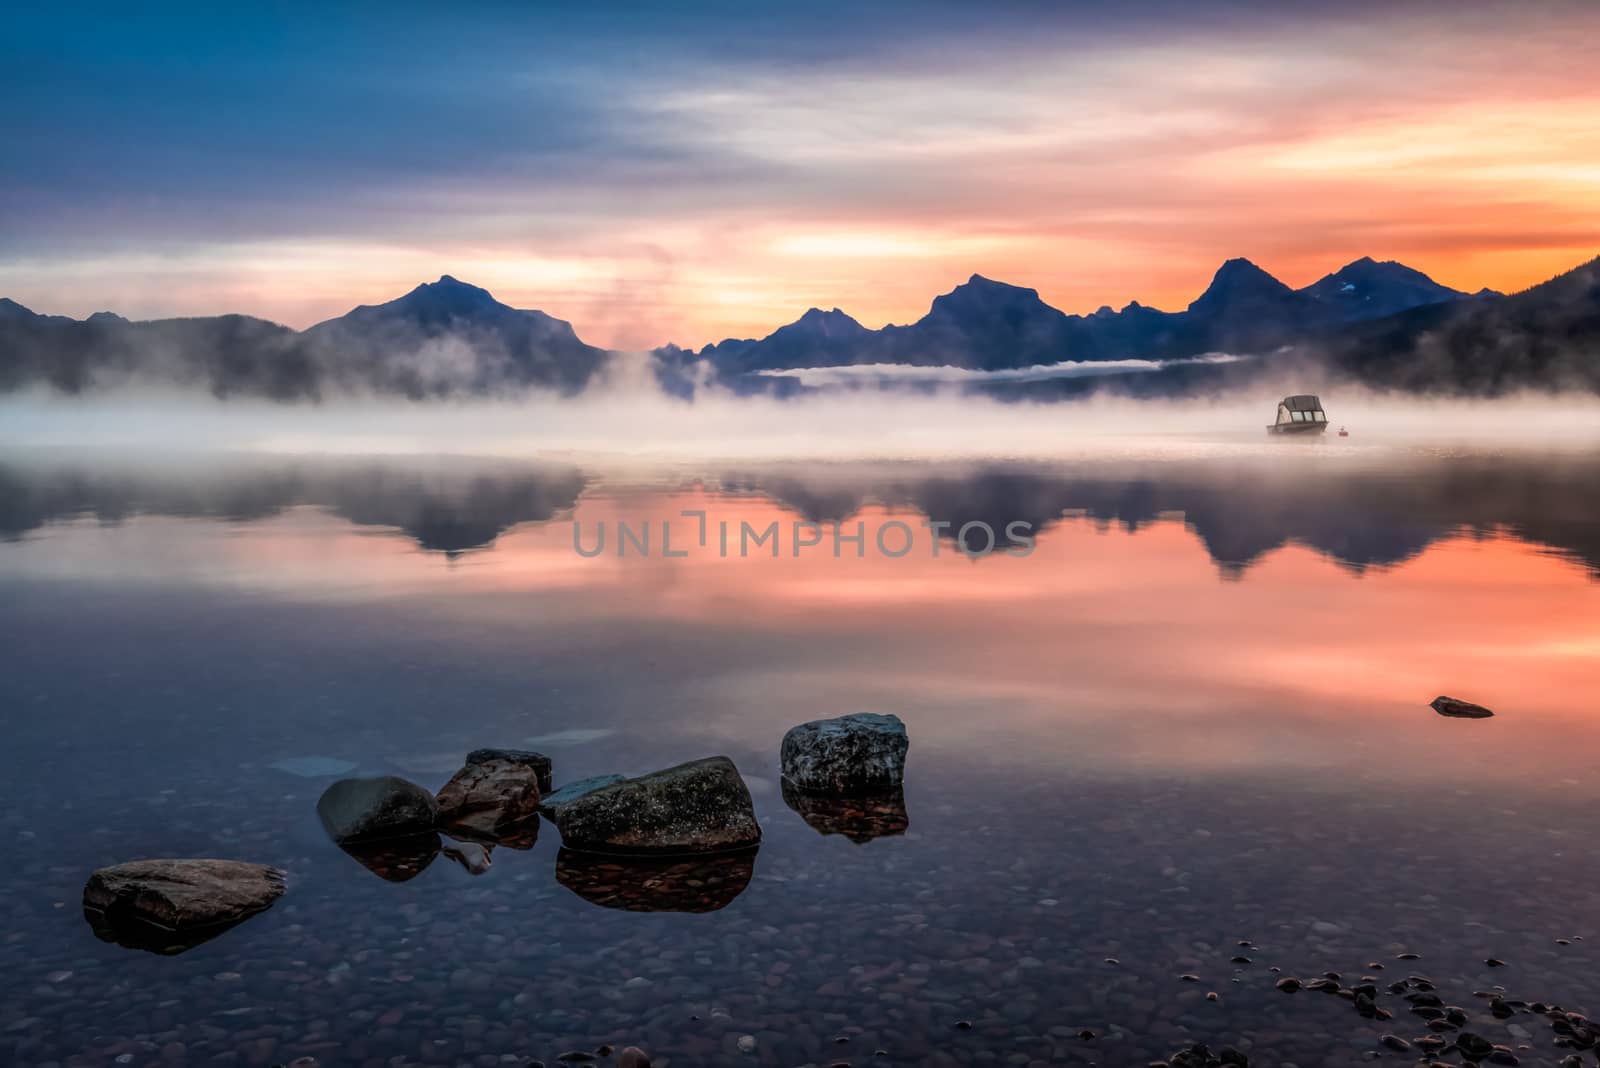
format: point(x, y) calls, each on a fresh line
point(632, 420)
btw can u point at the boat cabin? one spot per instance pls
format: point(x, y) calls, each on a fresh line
point(1300, 414)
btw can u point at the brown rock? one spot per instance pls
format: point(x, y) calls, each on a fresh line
point(490, 793)
point(633, 1057)
point(168, 906)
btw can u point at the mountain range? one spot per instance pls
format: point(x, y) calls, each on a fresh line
point(985, 325)
point(443, 338)
point(1377, 322)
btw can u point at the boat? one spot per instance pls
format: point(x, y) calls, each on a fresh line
point(1343, 433)
point(1300, 414)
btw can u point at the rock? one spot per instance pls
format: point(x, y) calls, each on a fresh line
point(364, 810)
point(698, 807)
point(861, 753)
point(644, 884)
point(475, 857)
point(859, 817)
point(552, 802)
point(537, 762)
point(1457, 709)
point(168, 906)
point(632, 1057)
point(492, 792)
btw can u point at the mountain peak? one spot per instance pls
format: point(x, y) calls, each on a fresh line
point(1239, 281)
point(1368, 289)
point(827, 324)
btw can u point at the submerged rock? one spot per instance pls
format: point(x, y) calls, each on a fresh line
point(364, 810)
point(497, 789)
point(1457, 709)
point(859, 817)
point(645, 884)
point(860, 753)
point(552, 802)
point(475, 857)
point(167, 906)
point(699, 807)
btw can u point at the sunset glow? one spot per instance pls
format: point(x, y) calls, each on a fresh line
point(751, 168)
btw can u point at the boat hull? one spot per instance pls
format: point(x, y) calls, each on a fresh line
point(1298, 428)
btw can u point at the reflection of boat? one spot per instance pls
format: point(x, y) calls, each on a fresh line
point(1300, 414)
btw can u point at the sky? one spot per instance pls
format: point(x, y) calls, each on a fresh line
point(697, 171)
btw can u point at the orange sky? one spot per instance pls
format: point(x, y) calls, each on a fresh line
point(720, 191)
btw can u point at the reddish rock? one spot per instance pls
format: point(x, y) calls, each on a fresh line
point(493, 791)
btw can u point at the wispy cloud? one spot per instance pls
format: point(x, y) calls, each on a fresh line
point(706, 172)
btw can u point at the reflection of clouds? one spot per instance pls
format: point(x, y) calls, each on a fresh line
point(1115, 646)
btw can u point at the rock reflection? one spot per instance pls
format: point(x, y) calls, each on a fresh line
point(523, 835)
point(688, 884)
point(860, 818)
point(396, 860)
point(130, 932)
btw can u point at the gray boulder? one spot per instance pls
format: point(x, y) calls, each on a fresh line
point(856, 754)
point(366, 810)
point(538, 762)
point(1457, 709)
point(491, 792)
point(699, 807)
point(178, 895)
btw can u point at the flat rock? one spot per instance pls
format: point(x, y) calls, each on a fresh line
point(492, 791)
point(527, 757)
point(553, 801)
point(138, 902)
point(860, 753)
point(699, 807)
point(365, 810)
point(1458, 709)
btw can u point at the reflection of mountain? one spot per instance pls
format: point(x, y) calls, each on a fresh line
point(445, 508)
point(1361, 514)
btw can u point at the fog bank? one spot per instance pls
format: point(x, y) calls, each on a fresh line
point(628, 420)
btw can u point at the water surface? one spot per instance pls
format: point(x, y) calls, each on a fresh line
point(1194, 714)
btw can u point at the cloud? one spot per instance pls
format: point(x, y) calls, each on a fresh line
point(706, 172)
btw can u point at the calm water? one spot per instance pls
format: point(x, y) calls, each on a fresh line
point(1196, 714)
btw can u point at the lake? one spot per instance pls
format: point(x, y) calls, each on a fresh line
point(1175, 747)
